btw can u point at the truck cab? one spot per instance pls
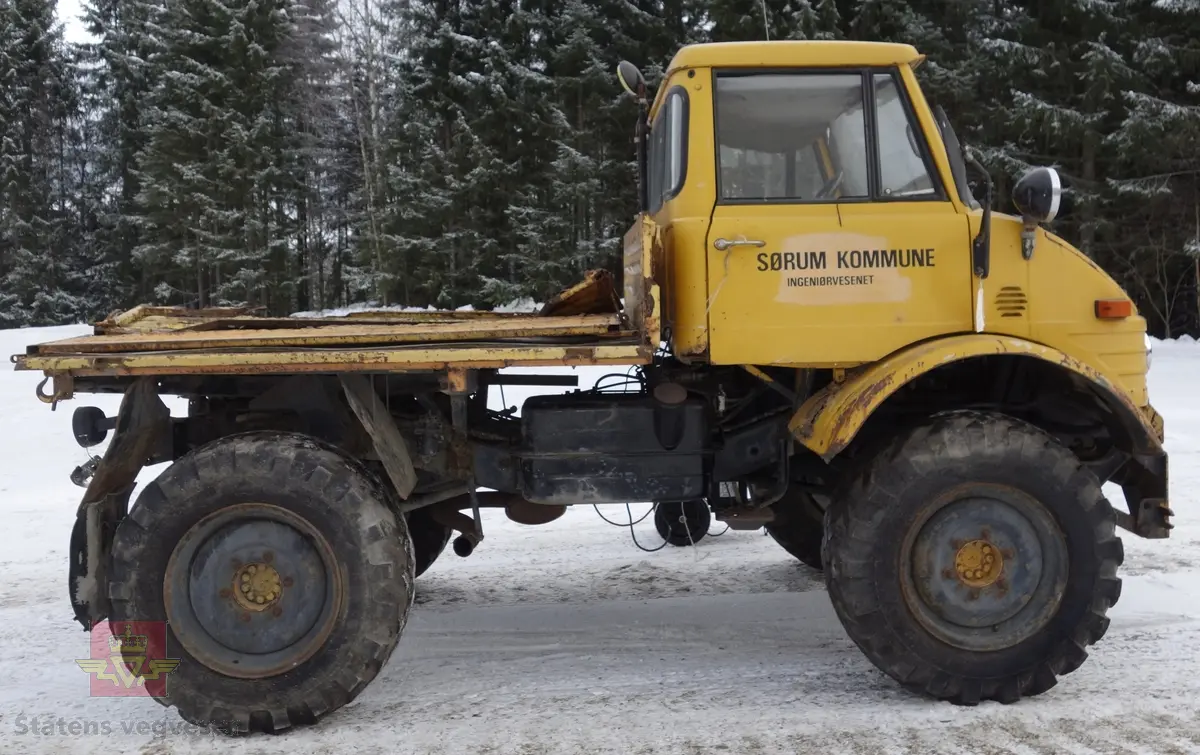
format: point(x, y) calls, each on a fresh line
point(814, 210)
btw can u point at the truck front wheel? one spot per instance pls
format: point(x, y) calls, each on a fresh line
point(973, 558)
point(281, 571)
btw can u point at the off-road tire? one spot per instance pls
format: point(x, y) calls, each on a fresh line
point(344, 502)
point(870, 517)
point(799, 527)
point(429, 539)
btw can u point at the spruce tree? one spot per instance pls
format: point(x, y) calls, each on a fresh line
point(115, 85)
point(431, 220)
point(1153, 185)
point(219, 169)
point(308, 103)
point(41, 276)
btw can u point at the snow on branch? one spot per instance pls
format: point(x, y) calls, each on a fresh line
point(1047, 114)
point(1178, 6)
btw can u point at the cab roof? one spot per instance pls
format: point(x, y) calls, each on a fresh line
point(791, 53)
point(788, 54)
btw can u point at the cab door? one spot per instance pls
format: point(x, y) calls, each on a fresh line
point(832, 241)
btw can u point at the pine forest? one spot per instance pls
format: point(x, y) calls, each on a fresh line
point(308, 154)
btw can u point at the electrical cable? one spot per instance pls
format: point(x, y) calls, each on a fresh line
point(625, 524)
point(634, 534)
point(630, 525)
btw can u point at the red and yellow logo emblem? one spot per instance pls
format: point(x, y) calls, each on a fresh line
point(130, 664)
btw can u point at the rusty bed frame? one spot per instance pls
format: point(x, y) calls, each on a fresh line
point(584, 325)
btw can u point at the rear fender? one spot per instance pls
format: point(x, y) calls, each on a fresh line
point(142, 432)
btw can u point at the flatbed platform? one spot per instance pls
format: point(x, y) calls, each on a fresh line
point(161, 341)
point(591, 323)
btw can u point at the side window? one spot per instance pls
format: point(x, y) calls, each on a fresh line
point(667, 160)
point(903, 171)
point(791, 137)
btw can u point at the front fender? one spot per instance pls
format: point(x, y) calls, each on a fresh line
point(830, 419)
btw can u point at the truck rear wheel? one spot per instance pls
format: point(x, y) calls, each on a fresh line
point(283, 575)
point(973, 558)
point(799, 527)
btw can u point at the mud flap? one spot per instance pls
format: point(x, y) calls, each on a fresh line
point(1143, 480)
point(143, 432)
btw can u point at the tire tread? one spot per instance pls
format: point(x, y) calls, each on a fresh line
point(853, 525)
point(351, 489)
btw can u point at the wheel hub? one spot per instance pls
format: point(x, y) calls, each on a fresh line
point(979, 563)
point(256, 587)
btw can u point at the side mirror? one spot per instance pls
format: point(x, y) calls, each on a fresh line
point(631, 79)
point(1038, 196)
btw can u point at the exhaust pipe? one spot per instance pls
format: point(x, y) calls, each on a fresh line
point(449, 514)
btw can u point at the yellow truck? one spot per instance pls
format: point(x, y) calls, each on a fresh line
point(832, 339)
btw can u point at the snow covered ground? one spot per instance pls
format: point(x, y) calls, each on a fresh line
point(567, 638)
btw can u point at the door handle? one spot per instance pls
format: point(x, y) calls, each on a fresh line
point(723, 244)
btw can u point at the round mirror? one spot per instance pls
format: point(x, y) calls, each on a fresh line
point(1038, 195)
point(631, 78)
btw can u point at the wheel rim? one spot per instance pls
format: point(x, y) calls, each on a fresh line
point(252, 590)
point(985, 568)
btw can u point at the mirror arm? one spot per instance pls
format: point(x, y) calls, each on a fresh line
point(634, 83)
point(640, 135)
point(981, 246)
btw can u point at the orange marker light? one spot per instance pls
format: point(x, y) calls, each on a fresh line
point(1113, 309)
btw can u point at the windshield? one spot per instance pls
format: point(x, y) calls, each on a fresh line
point(791, 137)
point(804, 137)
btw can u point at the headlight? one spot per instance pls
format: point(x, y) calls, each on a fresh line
point(1149, 350)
